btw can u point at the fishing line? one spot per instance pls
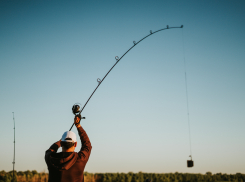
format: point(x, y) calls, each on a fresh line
point(189, 162)
point(76, 108)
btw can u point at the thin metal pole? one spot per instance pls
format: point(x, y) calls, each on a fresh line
point(14, 147)
point(118, 59)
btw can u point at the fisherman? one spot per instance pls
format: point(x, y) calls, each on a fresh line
point(68, 166)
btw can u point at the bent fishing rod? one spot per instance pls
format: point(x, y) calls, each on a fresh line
point(76, 108)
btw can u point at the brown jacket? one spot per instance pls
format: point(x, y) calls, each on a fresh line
point(68, 166)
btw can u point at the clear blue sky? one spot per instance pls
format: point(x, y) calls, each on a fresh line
point(52, 52)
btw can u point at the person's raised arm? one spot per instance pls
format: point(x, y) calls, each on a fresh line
point(53, 148)
point(85, 151)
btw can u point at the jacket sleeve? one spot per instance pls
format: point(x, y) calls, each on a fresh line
point(53, 149)
point(85, 151)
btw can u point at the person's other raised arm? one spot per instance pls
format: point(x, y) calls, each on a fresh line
point(54, 148)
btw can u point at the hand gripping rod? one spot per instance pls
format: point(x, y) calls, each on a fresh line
point(118, 59)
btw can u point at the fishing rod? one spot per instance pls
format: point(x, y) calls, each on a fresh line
point(14, 147)
point(76, 107)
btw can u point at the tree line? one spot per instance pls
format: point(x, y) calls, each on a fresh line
point(26, 176)
point(34, 176)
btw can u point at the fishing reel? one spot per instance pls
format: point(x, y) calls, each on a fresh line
point(190, 163)
point(76, 110)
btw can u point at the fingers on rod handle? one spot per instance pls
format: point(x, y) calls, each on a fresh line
point(79, 115)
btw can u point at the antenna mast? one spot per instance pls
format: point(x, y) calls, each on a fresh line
point(14, 147)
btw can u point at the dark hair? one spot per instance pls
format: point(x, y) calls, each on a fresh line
point(67, 145)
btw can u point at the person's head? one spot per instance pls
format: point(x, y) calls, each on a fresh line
point(68, 141)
